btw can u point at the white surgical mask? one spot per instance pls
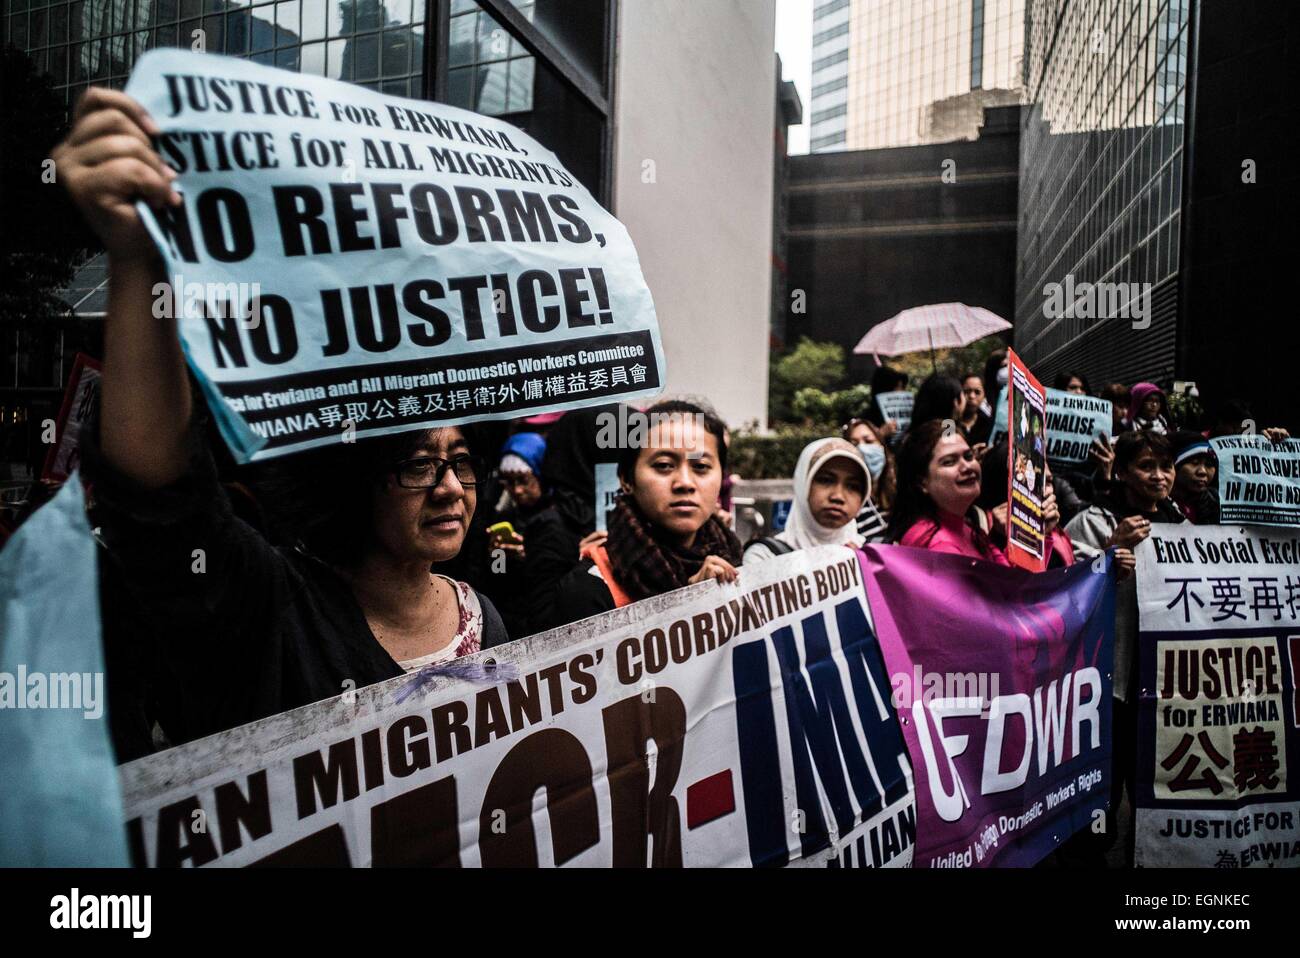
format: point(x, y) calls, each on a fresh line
point(1003, 375)
point(875, 456)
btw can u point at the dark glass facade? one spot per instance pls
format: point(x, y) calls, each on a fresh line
point(543, 65)
point(874, 232)
point(1101, 182)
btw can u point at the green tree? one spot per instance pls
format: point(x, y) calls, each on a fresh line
point(810, 365)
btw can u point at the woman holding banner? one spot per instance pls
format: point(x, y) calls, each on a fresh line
point(1121, 519)
point(256, 629)
point(831, 483)
point(663, 531)
point(939, 482)
point(993, 501)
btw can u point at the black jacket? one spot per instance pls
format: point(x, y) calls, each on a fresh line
point(580, 595)
point(258, 631)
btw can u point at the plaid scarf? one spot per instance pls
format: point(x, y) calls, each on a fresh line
point(647, 561)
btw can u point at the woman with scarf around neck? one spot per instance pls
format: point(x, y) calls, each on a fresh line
point(663, 533)
point(830, 484)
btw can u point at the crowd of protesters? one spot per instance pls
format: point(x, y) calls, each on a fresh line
point(344, 567)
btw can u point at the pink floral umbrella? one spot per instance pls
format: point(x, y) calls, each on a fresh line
point(944, 326)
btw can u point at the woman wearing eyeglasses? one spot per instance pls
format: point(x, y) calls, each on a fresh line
point(247, 628)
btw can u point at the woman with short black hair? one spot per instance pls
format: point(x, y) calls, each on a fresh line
point(255, 629)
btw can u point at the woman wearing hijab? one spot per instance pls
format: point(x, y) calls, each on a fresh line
point(663, 531)
point(830, 484)
point(1148, 410)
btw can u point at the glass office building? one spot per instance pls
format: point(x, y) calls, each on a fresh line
point(830, 75)
point(892, 73)
point(543, 65)
point(530, 61)
point(1101, 183)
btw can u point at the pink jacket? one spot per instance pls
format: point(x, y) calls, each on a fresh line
point(953, 535)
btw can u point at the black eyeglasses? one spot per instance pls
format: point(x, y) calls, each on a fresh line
point(427, 472)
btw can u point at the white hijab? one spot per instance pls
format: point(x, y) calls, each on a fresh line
point(802, 530)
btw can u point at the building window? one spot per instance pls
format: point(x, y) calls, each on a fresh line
point(822, 142)
point(543, 65)
point(830, 87)
point(830, 113)
point(826, 9)
point(830, 34)
point(976, 44)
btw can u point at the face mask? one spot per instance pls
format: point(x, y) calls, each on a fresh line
point(875, 457)
point(1003, 376)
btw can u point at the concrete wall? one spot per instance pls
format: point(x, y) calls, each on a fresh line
point(694, 94)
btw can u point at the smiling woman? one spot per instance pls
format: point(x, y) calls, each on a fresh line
point(938, 483)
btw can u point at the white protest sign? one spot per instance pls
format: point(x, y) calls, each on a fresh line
point(1259, 480)
point(1073, 422)
point(350, 264)
point(898, 407)
point(607, 488)
point(1219, 716)
point(742, 724)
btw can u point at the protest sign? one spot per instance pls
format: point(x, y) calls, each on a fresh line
point(79, 402)
point(348, 264)
point(1073, 422)
point(1259, 480)
point(1026, 466)
point(999, 428)
point(606, 491)
point(898, 407)
point(1219, 619)
point(744, 724)
point(1004, 697)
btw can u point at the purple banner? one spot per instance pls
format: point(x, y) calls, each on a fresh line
point(1002, 682)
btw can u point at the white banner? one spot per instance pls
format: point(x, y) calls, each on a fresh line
point(347, 263)
point(1219, 617)
point(720, 725)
